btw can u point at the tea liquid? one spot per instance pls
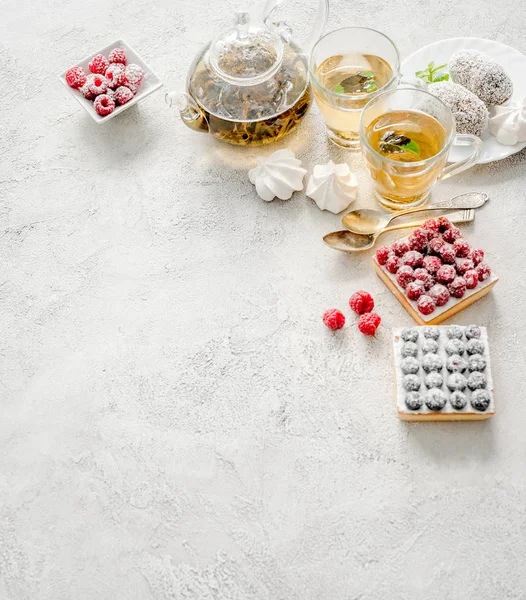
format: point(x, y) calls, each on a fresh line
point(406, 137)
point(352, 75)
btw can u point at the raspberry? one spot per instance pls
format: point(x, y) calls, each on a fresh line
point(461, 247)
point(392, 263)
point(123, 95)
point(132, 87)
point(440, 294)
point(412, 259)
point(115, 75)
point(99, 64)
point(334, 319)
point(436, 245)
point(415, 289)
point(361, 302)
point(477, 256)
point(446, 274)
point(134, 74)
point(483, 271)
point(85, 91)
point(110, 93)
point(463, 265)
point(430, 225)
point(472, 279)
point(405, 275)
point(400, 247)
point(117, 56)
point(418, 240)
point(368, 323)
point(425, 277)
point(443, 224)
point(104, 105)
point(447, 254)
point(382, 254)
point(426, 305)
point(97, 84)
point(457, 288)
point(451, 234)
point(432, 264)
point(75, 77)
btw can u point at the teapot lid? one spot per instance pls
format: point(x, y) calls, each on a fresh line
point(246, 55)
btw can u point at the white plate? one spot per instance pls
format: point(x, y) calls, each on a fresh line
point(513, 62)
point(149, 84)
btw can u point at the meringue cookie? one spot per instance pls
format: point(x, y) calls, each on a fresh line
point(333, 187)
point(279, 175)
point(508, 124)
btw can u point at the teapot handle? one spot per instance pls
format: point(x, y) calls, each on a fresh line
point(285, 31)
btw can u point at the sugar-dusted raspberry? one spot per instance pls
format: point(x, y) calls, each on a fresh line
point(436, 245)
point(443, 224)
point(123, 95)
point(418, 240)
point(117, 56)
point(461, 247)
point(132, 87)
point(392, 263)
point(431, 264)
point(86, 92)
point(115, 75)
point(382, 254)
point(446, 274)
point(440, 294)
point(361, 302)
point(457, 288)
point(405, 275)
point(447, 254)
point(75, 77)
point(99, 64)
point(134, 74)
point(451, 234)
point(400, 247)
point(104, 105)
point(414, 289)
point(476, 255)
point(425, 277)
point(111, 94)
point(412, 259)
point(368, 323)
point(426, 305)
point(334, 319)
point(430, 225)
point(483, 271)
point(97, 84)
point(472, 279)
point(463, 265)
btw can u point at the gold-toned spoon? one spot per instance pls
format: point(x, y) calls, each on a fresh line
point(370, 222)
point(348, 241)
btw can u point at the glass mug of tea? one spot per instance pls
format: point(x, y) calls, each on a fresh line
point(348, 68)
point(405, 136)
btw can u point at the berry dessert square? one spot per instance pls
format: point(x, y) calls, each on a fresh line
point(109, 81)
point(443, 373)
point(434, 272)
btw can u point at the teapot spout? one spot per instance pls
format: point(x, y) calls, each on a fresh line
point(191, 113)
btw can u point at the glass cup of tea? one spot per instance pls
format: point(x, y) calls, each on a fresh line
point(405, 136)
point(348, 68)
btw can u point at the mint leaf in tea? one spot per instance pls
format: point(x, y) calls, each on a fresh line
point(406, 136)
point(354, 74)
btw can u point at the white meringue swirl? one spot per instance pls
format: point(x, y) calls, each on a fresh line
point(279, 175)
point(332, 186)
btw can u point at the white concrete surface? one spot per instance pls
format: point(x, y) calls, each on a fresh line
point(176, 422)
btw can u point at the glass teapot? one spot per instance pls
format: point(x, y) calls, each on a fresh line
point(250, 84)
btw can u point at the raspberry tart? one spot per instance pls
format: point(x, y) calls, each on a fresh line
point(453, 273)
point(443, 373)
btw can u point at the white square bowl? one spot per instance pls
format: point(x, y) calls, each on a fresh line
point(149, 84)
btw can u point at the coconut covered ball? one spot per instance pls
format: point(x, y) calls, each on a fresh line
point(471, 114)
point(482, 75)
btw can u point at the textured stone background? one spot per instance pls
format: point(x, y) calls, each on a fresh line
point(176, 422)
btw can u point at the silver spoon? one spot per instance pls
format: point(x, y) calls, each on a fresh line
point(348, 241)
point(370, 222)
